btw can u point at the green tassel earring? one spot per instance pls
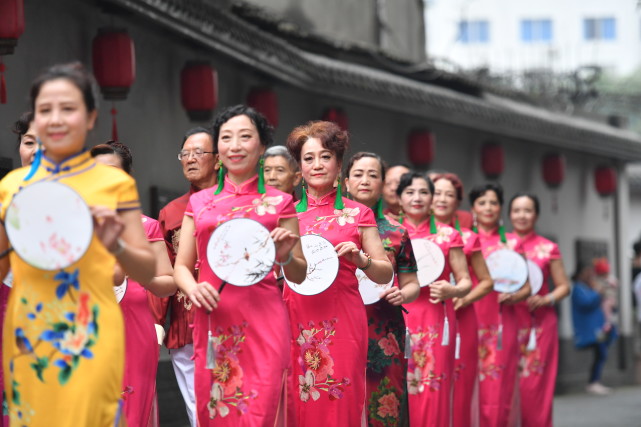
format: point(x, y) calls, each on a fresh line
point(338, 203)
point(221, 178)
point(433, 229)
point(502, 233)
point(457, 225)
point(261, 176)
point(378, 209)
point(301, 206)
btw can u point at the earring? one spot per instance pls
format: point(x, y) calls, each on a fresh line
point(475, 227)
point(261, 176)
point(221, 178)
point(301, 206)
point(338, 203)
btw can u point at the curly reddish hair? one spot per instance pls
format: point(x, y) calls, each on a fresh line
point(330, 135)
point(455, 180)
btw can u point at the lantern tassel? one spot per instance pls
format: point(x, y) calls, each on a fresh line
point(3, 83)
point(114, 124)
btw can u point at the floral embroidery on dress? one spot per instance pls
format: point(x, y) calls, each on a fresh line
point(341, 217)
point(488, 340)
point(385, 403)
point(458, 370)
point(530, 362)
point(317, 363)
point(227, 374)
point(180, 296)
point(262, 206)
point(466, 236)
point(421, 365)
point(443, 235)
point(541, 251)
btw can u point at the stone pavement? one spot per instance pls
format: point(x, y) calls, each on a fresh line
point(620, 409)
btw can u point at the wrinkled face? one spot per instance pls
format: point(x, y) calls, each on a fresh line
point(199, 170)
point(28, 145)
point(523, 214)
point(416, 199)
point(61, 118)
point(239, 147)
point(392, 178)
point(319, 166)
point(365, 182)
point(444, 202)
point(487, 209)
point(109, 159)
point(279, 174)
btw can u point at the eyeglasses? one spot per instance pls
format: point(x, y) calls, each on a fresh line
point(197, 153)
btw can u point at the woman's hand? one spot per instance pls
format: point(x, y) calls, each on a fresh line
point(108, 226)
point(442, 290)
point(204, 295)
point(459, 303)
point(393, 295)
point(505, 298)
point(350, 251)
point(285, 241)
point(537, 301)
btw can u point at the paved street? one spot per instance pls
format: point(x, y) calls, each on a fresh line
point(621, 409)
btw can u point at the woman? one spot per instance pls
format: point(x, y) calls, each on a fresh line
point(498, 344)
point(590, 323)
point(63, 336)
point(329, 351)
point(540, 359)
point(386, 389)
point(431, 320)
point(448, 193)
point(245, 330)
point(141, 343)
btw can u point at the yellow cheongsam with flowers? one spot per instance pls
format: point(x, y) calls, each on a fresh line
point(63, 339)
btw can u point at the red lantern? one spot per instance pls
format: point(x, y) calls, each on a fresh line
point(605, 180)
point(265, 101)
point(492, 160)
point(114, 62)
point(553, 169)
point(420, 147)
point(337, 116)
point(11, 28)
point(199, 90)
point(114, 65)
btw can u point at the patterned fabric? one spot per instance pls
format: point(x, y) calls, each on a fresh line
point(431, 365)
point(329, 350)
point(386, 364)
point(538, 366)
point(249, 328)
point(63, 342)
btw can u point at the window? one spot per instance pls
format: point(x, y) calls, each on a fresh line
point(599, 29)
point(474, 31)
point(536, 30)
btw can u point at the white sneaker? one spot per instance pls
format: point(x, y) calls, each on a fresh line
point(598, 389)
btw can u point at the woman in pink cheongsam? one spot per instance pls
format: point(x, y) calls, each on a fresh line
point(448, 193)
point(141, 342)
point(386, 397)
point(243, 330)
point(498, 345)
point(431, 322)
point(537, 315)
point(329, 330)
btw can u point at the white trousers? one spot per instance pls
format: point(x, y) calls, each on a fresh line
point(184, 370)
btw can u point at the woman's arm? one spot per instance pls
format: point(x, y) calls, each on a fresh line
point(561, 287)
point(379, 269)
point(483, 287)
point(287, 241)
point(202, 294)
point(162, 285)
point(442, 289)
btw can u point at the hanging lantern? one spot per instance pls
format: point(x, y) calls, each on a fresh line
point(420, 147)
point(337, 116)
point(265, 101)
point(553, 170)
point(605, 180)
point(11, 28)
point(114, 65)
point(492, 160)
point(199, 90)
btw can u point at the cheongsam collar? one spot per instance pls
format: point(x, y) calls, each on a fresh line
point(423, 227)
point(486, 234)
point(322, 201)
point(69, 165)
point(248, 187)
point(528, 237)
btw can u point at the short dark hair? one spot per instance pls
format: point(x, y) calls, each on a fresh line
point(117, 148)
point(77, 74)
point(531, 196)
point(331, 136)
point(265, 130)
point(363, 154)
point(197, 130)
point(409, 177)
point(21, 126)
point(481, 189)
